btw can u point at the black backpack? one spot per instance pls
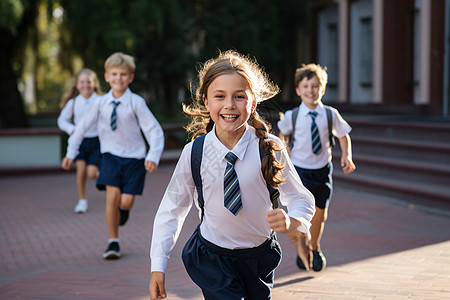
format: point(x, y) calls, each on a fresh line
point(329, 121)
point(196, 161)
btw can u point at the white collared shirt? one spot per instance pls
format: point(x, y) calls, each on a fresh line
point(301, 153)
point(250, 227)
point(76, 108)
point(126, 141)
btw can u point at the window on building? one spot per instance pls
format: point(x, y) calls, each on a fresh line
point(365, 52)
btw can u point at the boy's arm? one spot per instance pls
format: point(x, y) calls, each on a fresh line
point(346, 158)
point(285, 127)
point(150, 166)
point(152, 131)
point(284, 138)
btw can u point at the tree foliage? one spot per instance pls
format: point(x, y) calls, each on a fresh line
point(167, 37)
point(16, 25)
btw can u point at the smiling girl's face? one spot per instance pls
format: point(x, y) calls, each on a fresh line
point(85, 85)
point(230, 104)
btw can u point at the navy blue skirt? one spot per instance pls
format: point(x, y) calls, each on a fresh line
point(225, 274)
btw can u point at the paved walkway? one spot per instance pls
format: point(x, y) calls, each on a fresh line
point(377, 248)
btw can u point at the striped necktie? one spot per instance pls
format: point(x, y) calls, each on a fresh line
point(232, 193)
point(315, 137)
point(114, 115)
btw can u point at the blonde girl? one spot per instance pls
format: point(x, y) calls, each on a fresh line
point(234, 251)
point(75, 103)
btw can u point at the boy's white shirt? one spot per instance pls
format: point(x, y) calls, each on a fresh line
point(250, 227)
point(126, 141)
point(77, 107)
point(301, 153)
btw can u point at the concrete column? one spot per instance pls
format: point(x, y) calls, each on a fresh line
point(343, 51)
point(446, 103)
point(425, 40)
point(377, 51)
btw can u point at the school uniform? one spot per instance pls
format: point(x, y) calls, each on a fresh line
point(223, 241)
point(70, 117)
point(124, 149)
point(314, 170)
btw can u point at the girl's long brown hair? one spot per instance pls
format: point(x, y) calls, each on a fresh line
point(232, 62)
point(72, 91)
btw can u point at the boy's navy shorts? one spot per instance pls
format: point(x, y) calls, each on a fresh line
point(128, 174)
point(225, 274)
point(319, 182)
point(90, 151)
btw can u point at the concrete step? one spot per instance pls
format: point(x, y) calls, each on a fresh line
point(408, 160)
point(419, 150)
point(425, 131)
point(395, 168)
point(431, 195)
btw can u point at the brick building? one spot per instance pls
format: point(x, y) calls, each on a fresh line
point(382, 56)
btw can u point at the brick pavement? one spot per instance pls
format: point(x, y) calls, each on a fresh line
point(377, 247)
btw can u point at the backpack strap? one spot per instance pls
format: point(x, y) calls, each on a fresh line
point(294, 120)
point(329, 121)
point(330, 126)
point(274, 193)
point(196, 162)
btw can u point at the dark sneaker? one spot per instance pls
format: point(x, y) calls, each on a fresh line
point(300, 263)
point(319, 261)
point(113, 251)
point(124, 214)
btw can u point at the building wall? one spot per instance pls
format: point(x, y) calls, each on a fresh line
point(437, 56)
point(412, 57)
point(328, 49)
point(398, 32)
point(361, 57)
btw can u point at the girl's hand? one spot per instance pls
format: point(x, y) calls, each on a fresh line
point(278, 220)
point(156, 286)
point(66, 163)
point(150, 166)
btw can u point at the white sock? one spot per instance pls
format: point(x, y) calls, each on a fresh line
point(114, 240)
point(83, 201)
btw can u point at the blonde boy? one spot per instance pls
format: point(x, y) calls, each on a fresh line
point(121, 116)
point(311, 154)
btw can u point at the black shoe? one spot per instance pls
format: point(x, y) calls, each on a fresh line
point(124, 214)
point(113, 251)
point(300, 264)
point(319, 261)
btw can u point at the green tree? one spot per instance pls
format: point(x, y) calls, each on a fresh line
point(264, 29)
point(167, 37)
point(16, 23)
point(149, 30)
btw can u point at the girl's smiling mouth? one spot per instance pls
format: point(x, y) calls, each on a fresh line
point(229, 117)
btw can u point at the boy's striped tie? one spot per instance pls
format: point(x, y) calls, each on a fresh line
point(232, 192)
point(315, 137)
point(114, 115)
